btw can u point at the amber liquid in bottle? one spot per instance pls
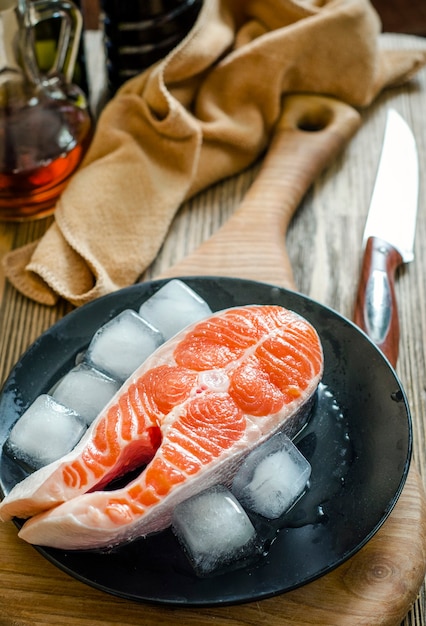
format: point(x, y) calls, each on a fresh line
point(45, 121)
point(41, 145)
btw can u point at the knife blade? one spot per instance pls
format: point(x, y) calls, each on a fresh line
point(389, 234)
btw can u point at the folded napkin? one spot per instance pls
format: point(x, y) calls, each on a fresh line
point(203, 113)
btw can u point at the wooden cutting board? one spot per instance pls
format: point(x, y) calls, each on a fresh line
point(376, 586)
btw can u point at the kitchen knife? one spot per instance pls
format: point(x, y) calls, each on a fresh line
point(388, 236)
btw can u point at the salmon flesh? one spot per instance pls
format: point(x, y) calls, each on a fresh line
point(186, 418)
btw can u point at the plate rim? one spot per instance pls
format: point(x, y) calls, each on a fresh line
point(144, 288)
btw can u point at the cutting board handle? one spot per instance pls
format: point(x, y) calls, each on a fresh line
point(310, 133)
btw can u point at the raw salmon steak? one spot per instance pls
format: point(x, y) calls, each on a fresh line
point(188, 417)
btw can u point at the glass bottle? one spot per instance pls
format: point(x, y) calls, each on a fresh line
point(45, 122)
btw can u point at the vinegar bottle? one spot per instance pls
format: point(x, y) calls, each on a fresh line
point(45, 123)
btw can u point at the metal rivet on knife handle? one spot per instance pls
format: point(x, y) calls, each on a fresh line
point(376, 309)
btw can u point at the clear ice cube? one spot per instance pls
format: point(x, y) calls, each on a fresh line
point(214, 530)
point(272, 477)
point(122, 344)
point(85, 390)
point(173, 307)
point(45, 432)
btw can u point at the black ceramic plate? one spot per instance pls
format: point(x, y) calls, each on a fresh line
point(359, 448)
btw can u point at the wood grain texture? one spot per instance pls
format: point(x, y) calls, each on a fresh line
point(250, 244)
point(324, 250)
point(400, 16)
point(38, 594)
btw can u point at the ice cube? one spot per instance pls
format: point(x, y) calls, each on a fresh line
point(173, 307)
point(214, 530)
point(272, 477)
point(122, 344)
point(45, 432)
point(86, 390)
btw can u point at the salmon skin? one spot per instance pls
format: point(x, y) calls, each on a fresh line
point(189, 415)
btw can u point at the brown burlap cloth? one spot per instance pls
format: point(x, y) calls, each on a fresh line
point(203, 113)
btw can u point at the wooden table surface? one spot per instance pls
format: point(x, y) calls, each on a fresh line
point(324, 245)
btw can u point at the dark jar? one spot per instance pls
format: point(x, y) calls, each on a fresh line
point(138, 33)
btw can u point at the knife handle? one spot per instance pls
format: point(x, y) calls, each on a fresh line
point(376, 309)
